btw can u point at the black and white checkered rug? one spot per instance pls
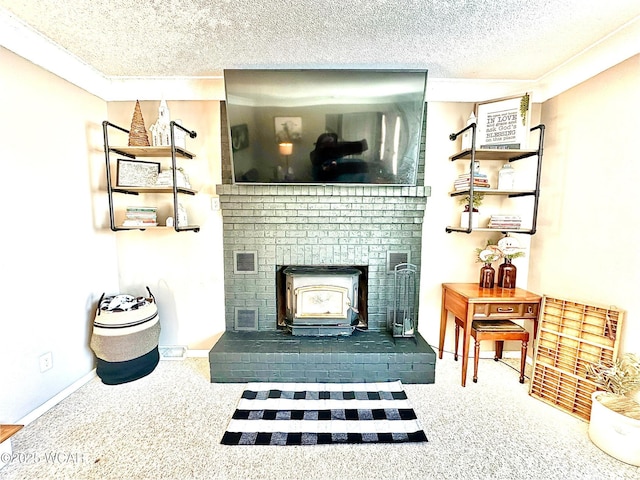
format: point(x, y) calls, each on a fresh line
point(323, 413)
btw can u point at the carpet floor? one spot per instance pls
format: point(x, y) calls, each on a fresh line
point(169, 424)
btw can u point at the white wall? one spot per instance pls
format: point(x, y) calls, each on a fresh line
point(446, 257)
point(55, 262)
point(587, 246)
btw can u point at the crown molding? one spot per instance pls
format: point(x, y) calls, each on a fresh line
point(169, 88)
point(474, 90)
point(39, 50)
point(31, 45)
point(611, 50)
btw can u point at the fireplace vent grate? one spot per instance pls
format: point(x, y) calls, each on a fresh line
point(245, 262)
point(396, 258)
point(246, 319)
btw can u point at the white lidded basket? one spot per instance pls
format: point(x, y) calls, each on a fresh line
point(614, 433)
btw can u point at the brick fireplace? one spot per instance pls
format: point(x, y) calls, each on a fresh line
point(266, 227)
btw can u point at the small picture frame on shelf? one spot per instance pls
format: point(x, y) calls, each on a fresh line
point(136, 173)
point(503, 124)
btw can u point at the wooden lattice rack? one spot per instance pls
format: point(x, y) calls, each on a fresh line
point(572, 335)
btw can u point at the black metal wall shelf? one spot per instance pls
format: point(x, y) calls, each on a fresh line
point(169, 151)
point(505, 155)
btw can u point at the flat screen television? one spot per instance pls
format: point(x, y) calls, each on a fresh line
point(325, 126)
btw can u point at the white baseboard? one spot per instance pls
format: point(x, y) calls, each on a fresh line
point(180, 352)
point(172, 352)
point(52, 402)
point(198, 353)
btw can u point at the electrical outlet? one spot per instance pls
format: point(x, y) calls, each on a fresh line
point(46, 362)
point(215, 204)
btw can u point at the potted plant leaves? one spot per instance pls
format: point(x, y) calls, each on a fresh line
point(614, 425)
point(465, 216)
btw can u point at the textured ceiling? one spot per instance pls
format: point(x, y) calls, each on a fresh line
point(465, 39)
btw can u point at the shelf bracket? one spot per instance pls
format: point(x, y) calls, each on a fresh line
point(107, 150)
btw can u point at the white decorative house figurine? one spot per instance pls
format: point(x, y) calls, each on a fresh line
point(160, 131)
point(467, 136)
point(165, 178)
point(182, 216)
point(179, 136)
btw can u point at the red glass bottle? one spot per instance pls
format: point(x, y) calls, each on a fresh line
point(507, 274)
point(487, 276)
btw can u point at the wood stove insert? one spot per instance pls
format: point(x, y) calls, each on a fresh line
point(321, 300)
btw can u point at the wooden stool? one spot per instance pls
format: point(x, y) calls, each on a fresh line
point(499, 331)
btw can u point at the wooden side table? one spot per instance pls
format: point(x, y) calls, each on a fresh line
point(6, 432)
point(469, 302)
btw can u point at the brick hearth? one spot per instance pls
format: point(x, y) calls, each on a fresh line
point(280, 357)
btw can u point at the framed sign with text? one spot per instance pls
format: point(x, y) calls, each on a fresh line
point(136, 173)
point(503, 123)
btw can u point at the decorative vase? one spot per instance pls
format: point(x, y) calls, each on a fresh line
point(506, 177)
point(507, 274)
point(487, 276)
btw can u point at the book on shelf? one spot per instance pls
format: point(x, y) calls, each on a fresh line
point(467, 182)
point(140, 217)
point(148, 218)
point(467, 185)
point(142, 209)
point(140, 212)
point(138, 223)
point(467, 176)
point(461, 188)
point(476, 178)
point(515, 225)
point(501, 146)
point(505, 221)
